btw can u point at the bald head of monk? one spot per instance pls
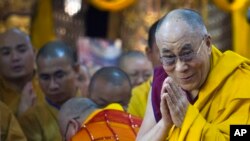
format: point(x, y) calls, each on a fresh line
point(72, 114)
point(58, 71)
point(16, 56)
point(185, 48)
point(110, 85)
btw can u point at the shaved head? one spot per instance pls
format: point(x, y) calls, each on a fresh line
point(110, 85)
point(13, 34)
point(57, 49)
point(75, 107)
point(112, 75)
point(129, 54)
point(136, 65)
point(16, 55)
point(191, 18)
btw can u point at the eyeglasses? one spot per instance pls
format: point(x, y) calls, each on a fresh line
point(169, 61)
point(67, 127)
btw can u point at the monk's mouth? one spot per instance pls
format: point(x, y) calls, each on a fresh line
point(17, 68)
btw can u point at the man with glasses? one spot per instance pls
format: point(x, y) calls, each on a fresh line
point(201, 97)
point(58, 72)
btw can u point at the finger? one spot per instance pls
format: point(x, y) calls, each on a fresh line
point(175, 112)
point(164, 107)
point(175, 88)
point(163, 89)
point(172, 94)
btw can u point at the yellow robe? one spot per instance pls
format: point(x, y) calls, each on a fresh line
point(223, 100)
point(40, 123)
point(12, 98)
point(138, 102)
point(10, 129)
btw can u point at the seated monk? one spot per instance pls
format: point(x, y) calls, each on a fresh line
point(19, 87)
point(110, 85)
point(80, 119)
point(10, 129)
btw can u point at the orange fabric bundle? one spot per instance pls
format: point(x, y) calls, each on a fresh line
point(109, 125)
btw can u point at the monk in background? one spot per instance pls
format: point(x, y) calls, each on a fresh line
point(110, 85)
point(58, 72)
point(80, 119)
point(136, 65)
point(19, 87)
point(138, 102)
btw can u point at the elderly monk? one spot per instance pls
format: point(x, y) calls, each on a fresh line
point(202, 97)
point(10, 129)
point(80, 119)
point(17, 72)
point(110, 85)
point(138, 101)
point(57, 70)
point(136, 65)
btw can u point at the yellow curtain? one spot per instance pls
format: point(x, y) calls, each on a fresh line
point(42, 29)
point(241, 29)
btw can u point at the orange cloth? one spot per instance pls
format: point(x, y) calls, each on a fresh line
point(109, 125)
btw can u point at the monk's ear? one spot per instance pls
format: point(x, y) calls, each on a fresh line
point(208, 40)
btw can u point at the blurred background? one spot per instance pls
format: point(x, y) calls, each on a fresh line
point(106, 27)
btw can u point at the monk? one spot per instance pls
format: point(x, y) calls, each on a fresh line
point(10, 129)
point(83, 80)
point(138, 100)
point(58, 72)
point(80, 119)
point(136, 65)
point(19, 87)
point(201, 97)
point(110, 85)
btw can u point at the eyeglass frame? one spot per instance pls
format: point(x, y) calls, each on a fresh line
point(181, 57)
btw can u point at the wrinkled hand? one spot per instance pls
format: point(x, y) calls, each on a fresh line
point(164, 106)
point(176, 100)
point(28, 98)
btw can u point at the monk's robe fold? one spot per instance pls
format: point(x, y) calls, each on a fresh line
point(12, 97)
point(109, 124)
point(138, 101)
point(10, 129)
point(40, 123)
point(223, 100)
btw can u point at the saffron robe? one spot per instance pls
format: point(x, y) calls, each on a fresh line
point(10, 129)
point(223, 100)
point(109, 124)
point(138, 101)
point(12, 98)
point(40, 123)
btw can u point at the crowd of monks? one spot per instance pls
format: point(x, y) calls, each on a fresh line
point(36, 83)
point(170, 92)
